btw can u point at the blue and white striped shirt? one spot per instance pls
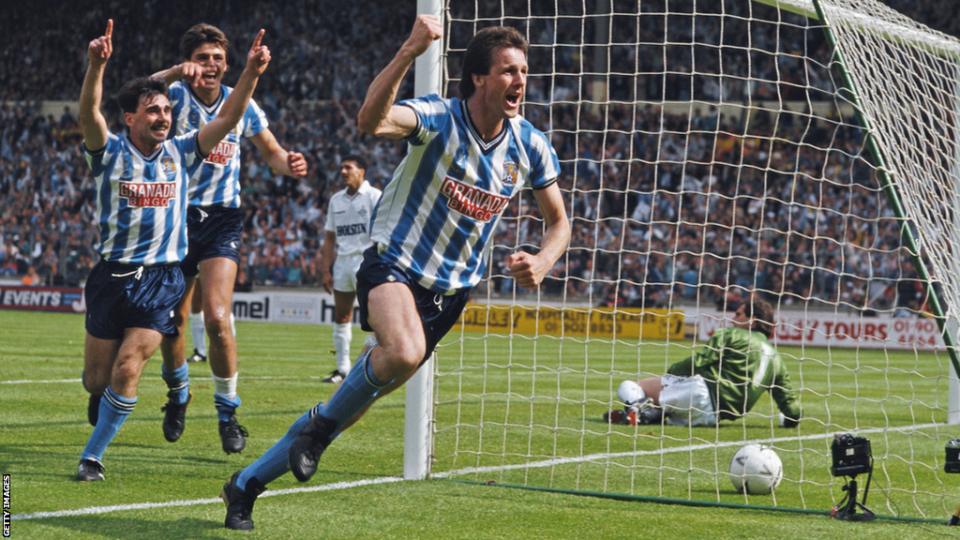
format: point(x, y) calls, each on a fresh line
point(437, 214)
point(141, 200)
point(217, 183)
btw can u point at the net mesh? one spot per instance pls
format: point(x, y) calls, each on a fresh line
point(710, 152)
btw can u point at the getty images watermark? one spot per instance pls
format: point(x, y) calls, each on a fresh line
point(6, 505)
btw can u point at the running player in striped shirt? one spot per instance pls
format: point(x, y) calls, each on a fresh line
point(215, 224)
point(432, 229)
point(141, 185)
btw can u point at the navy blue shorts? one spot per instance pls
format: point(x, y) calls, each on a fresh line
point(121, 296)
point(438, 312)
point(213, 231)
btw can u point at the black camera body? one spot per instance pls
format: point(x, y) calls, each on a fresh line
point(852, 456)
point(952, 463)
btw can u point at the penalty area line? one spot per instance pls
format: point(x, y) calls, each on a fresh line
point(148, 506)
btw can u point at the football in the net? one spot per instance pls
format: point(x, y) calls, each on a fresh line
point(756, 470)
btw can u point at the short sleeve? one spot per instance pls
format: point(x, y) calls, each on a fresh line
point(433, 116)
point(544, 163)
point(254, 120)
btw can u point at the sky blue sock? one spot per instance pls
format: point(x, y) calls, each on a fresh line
point(114, 410)
point(178, 381)
point(225, 407)
point(273, 463)
point(359, 388)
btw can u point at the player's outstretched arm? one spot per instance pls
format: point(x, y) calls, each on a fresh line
point(93, 125)
point(287, 163)
point(188, 71)
point(786, 398)
point(236, 103)
point(379, 116)
point(529, 270)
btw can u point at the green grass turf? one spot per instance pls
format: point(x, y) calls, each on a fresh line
point(43, 429)
point(897, 399)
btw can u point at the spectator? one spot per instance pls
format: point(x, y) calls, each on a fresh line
point(9, 268)
point(244, 283)
point(31, 278)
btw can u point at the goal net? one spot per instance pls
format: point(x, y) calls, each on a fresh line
point(709, 151)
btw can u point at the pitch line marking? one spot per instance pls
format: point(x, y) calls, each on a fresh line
point(147, 506)
point(391, 479)
point(688, 448)
point(59, 381)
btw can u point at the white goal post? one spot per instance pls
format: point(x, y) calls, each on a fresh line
point(710, 151)
point(418, 435)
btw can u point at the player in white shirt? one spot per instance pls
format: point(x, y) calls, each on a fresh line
point(215, 223)
point(347, 237)
point(433, 226)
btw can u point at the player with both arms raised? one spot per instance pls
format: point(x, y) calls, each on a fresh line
point(141, 183)
point(432, 231)
point(215, 225)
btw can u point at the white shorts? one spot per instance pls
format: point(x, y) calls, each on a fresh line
point(686, 401)
point(345, 272)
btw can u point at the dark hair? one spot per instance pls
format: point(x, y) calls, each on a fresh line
point(358, 159)
point(479, 56)
point(762, 314)
point(200, 34)
point(139, 89)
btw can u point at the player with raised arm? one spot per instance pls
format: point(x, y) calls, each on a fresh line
point(141, 183)
point(347, 236)
point(722, 380)
point(215, 224)
point(432, 231)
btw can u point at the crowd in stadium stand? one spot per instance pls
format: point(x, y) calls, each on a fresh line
point(658, 216)
point(642, 233)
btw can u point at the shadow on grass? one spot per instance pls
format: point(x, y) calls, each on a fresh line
point(116, 526)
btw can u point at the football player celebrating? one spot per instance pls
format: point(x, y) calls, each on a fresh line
point(141, 182)
point(432, 231)
point(215, 224)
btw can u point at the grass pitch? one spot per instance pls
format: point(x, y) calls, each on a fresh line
point(155, 489)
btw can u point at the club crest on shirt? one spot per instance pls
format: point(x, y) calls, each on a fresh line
point(126, 169)
point(147, 194)
point(510, 171)
point(169, 165)
point(472, 201)
point(222, 153)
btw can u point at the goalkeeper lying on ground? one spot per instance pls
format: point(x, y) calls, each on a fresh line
point(721, 381)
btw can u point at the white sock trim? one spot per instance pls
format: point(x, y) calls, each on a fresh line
point(225, 387)
point(342, 336)
point(198, 332)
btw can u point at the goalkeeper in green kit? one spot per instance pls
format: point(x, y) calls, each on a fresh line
point(721, 381)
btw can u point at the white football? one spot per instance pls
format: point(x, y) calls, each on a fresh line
point(756, 470)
